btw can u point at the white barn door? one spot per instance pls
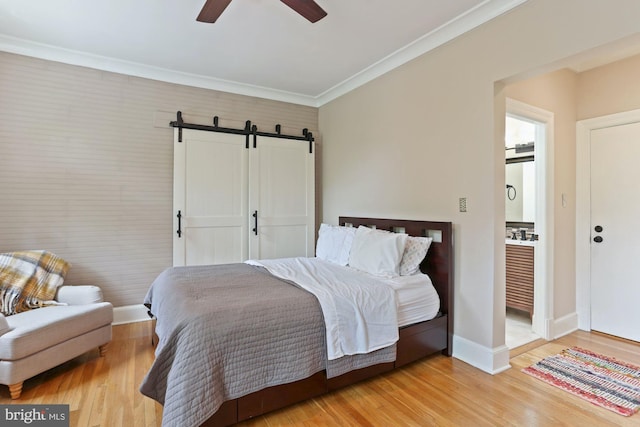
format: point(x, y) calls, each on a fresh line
point(210, 193)
point(282, 192)
point(237, 203)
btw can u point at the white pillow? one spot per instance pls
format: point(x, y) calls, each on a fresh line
point(377, 252)
point(334, 243)
point(414, 252)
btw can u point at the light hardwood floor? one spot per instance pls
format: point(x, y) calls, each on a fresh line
point(437, 391)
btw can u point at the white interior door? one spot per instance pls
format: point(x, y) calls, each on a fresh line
point(210, 192)
point(615, 211)
point(282, 192)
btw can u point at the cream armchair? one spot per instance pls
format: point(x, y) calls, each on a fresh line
point(34, 341)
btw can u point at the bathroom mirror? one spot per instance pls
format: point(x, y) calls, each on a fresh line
point(520, 191)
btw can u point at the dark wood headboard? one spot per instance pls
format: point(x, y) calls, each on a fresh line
point(438, 263)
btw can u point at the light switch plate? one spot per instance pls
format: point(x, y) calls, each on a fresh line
point(463, 204)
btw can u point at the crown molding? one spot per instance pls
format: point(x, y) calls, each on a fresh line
point(103, 63)
point(475, 17)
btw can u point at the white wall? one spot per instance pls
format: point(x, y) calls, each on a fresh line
point(434, 125)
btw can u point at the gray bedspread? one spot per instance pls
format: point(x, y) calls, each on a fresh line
point(229, 330)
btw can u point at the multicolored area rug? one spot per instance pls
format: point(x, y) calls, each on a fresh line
point(601, 380)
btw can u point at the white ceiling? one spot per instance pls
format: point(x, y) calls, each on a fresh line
point(257, 47)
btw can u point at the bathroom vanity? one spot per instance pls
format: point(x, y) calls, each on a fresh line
point(519, 254)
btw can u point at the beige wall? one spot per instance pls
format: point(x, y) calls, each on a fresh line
point(609, 89)
point(556, 92)
point(86, 165)
point(433, 125)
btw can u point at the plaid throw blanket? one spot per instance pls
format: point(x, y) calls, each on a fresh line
point(29, 279)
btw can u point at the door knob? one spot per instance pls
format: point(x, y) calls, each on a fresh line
point(598, 228)
point(597, 239)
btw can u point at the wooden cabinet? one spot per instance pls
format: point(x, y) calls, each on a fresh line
point(520, 277)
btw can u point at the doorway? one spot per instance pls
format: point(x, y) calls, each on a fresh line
point(541, 125)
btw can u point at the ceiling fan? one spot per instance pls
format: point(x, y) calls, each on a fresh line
point(212, 9)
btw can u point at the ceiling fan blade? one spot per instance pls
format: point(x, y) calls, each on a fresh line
point(307, 8)
point(212, 10)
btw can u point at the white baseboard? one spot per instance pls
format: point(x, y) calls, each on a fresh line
point(130, 314)
point(565, 325)
point(492, 361)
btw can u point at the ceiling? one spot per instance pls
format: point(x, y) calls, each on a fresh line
point(257, 47)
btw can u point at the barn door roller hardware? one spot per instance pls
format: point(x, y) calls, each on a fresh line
point(248, 130)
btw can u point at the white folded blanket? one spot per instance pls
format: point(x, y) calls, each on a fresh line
point(360, 311)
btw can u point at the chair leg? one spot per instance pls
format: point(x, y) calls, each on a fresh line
point(103, 349)
point(15, 390)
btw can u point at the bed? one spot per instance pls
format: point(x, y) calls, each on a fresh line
point(281, 350)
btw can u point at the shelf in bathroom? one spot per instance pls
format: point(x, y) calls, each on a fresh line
point(521, 242)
